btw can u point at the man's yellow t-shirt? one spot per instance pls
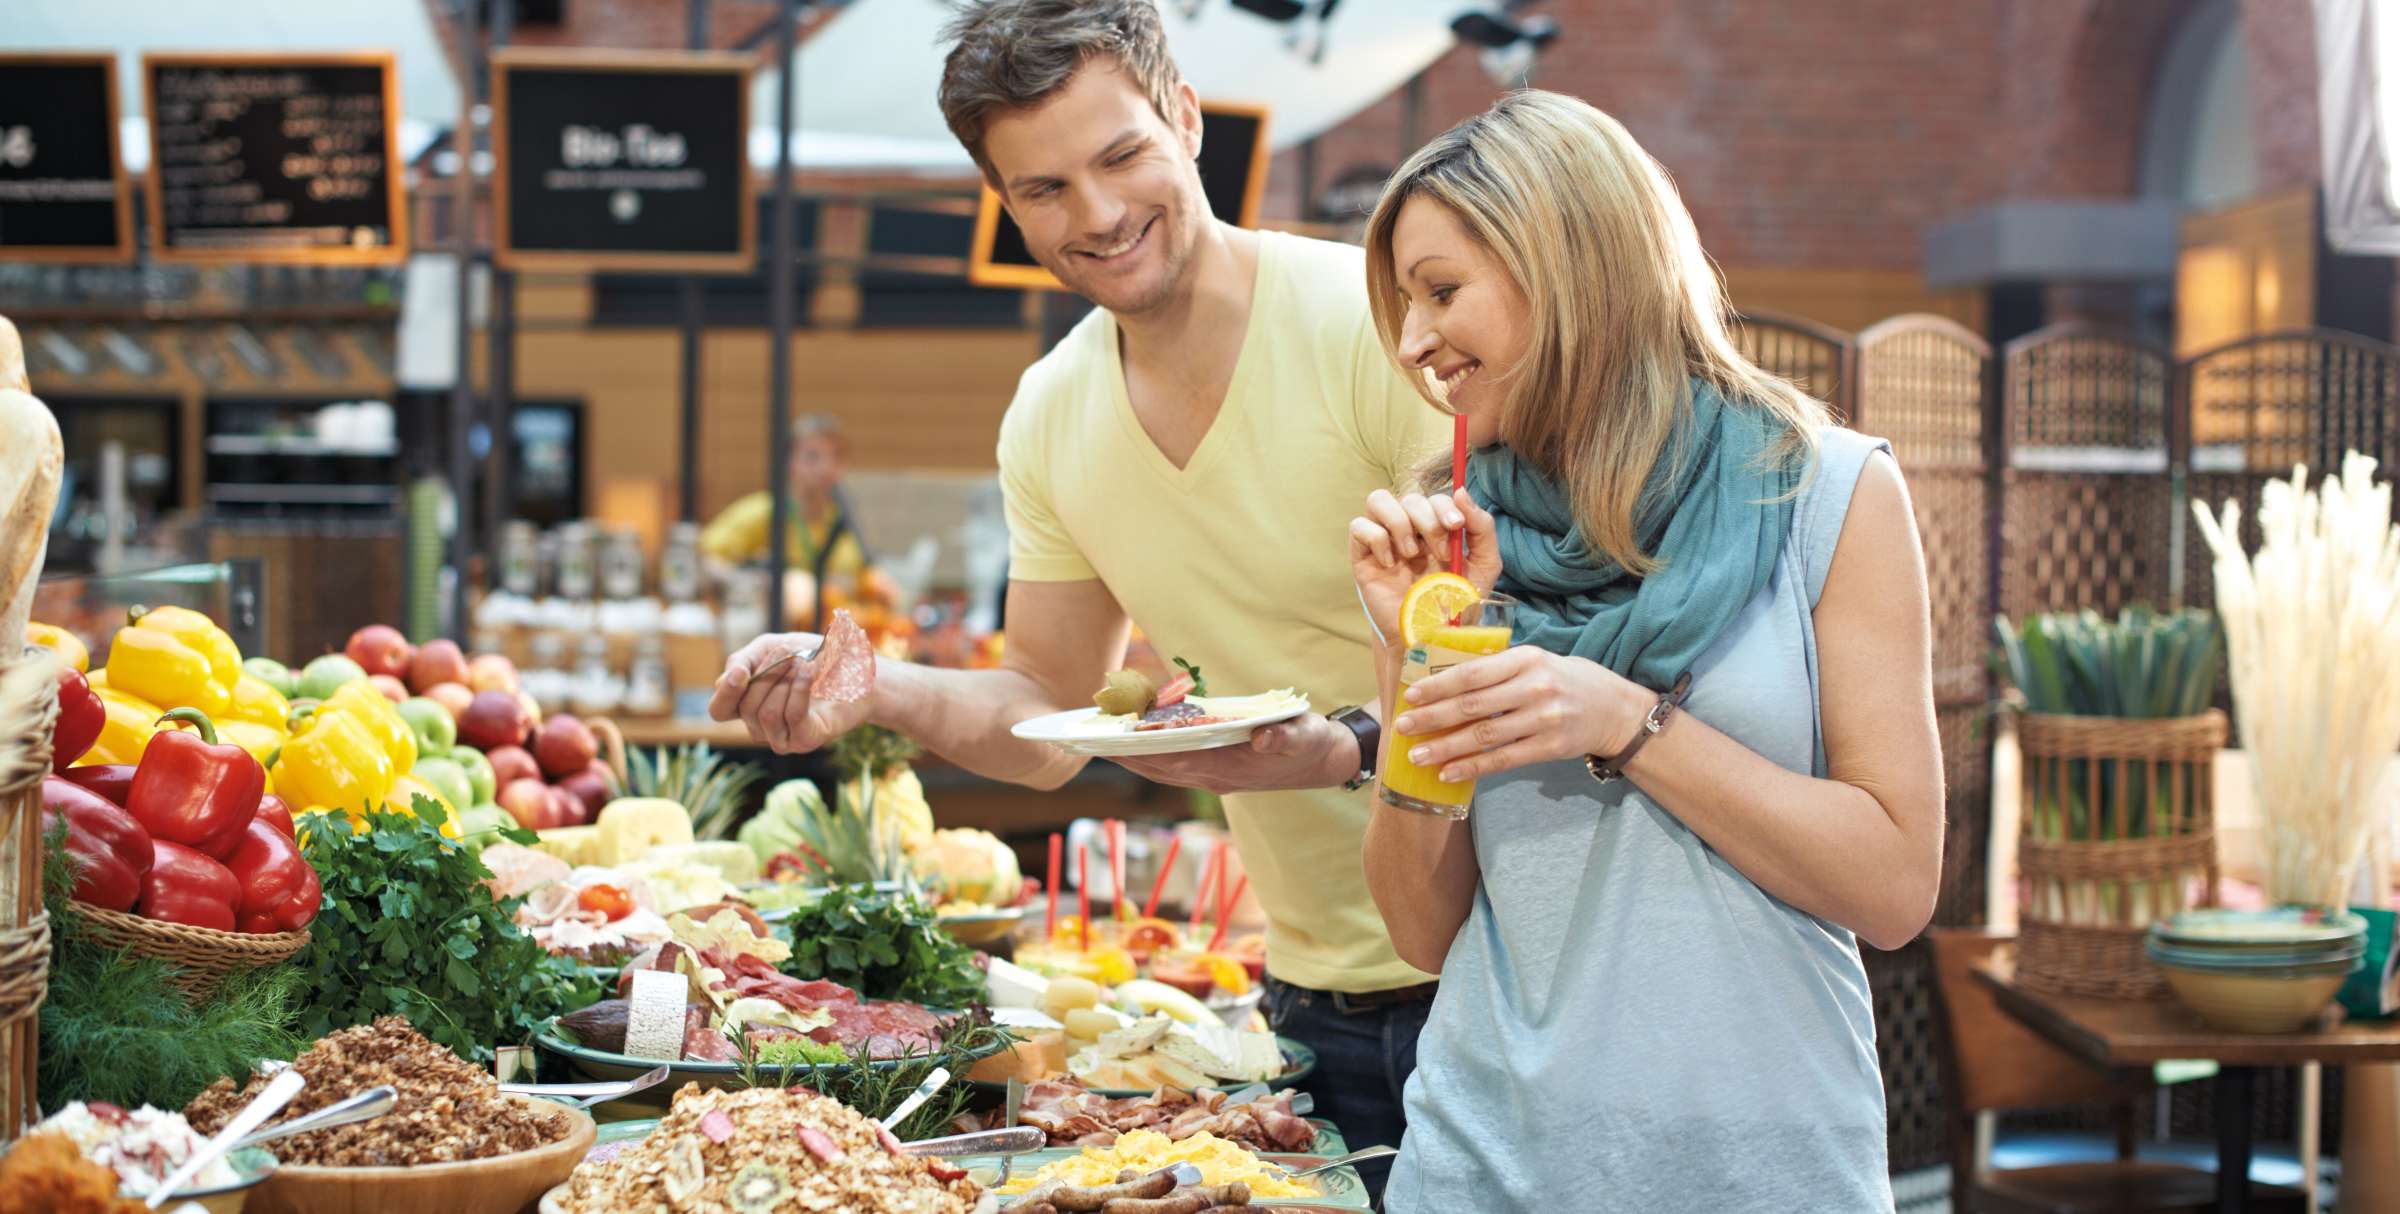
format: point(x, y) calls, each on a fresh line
point(1239, 561)
point(739, 534)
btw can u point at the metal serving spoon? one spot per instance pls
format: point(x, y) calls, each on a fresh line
point(365, 1106)
point(1342, 1161)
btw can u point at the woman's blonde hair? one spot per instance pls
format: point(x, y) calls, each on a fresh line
point(1625, 308)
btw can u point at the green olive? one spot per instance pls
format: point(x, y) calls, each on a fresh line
point(1128, 693)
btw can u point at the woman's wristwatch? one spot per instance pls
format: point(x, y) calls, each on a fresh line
point(1369, 732)
point(1605, 770)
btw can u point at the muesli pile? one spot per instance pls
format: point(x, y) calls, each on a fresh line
point(447, 1110)
point(770, 1149)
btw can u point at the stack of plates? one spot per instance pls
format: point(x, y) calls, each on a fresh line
point(2258, 971)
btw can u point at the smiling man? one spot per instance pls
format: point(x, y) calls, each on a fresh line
point(1188, 458)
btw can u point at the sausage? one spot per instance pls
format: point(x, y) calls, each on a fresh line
point(1155, 1184)
point(1184, 1201)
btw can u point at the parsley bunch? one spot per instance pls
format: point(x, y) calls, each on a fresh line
point(884, 946)
point(409, 929)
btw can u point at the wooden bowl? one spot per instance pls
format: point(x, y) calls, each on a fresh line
point(504, 1184)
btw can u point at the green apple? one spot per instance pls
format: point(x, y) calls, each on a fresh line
point(446, 777)
point(274, 674)
point(436, 731)
point(328, 674)
point(479, 773)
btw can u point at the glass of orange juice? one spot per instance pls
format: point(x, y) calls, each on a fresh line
point(1444, 622)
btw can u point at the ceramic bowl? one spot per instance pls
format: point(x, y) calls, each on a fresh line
point(251, 1167)
point(2267, 1000)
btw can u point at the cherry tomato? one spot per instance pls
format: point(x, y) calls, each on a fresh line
point(607, 899)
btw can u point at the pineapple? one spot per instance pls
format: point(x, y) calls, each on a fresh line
point(706, 783)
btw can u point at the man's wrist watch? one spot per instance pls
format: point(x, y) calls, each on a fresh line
point(1369, 732)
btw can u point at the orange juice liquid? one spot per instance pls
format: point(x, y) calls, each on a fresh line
point(1406, 784)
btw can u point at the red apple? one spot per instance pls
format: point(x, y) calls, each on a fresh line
point(564, 746)
point(529, 802)
point(438, 661)
point(530, 709)
point(492, 672)
point(492, 720)
point(453, 696)
point(511, 764)
point(380, 649)
point(569, 808)
point(392, 689)
point(590, 786)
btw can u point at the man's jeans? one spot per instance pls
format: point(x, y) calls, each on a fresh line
point(1363, 1061)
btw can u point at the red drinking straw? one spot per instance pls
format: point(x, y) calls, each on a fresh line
point(1458, 481)
point(1150, 908)
point(1116, 868)
point(1050, 917)
point(1225, 912)
point(1083, 896)
point(1202, 893)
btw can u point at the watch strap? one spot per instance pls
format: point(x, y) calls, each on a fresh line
point(1613, 768)
point(1369, 732)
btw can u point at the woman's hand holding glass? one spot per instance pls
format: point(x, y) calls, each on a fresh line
point(1404, 537)
point(1518, 708)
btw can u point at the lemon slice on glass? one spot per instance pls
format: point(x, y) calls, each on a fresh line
point(1436, 600)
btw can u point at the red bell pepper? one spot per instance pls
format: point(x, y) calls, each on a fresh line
point(280, 892)
point(191, 789)
point(187, 886)
point(110, 851)
point(80, 716)
point(273, 812)
point(111, 780)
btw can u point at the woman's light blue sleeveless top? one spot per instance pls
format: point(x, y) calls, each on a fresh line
point(1628, 1023)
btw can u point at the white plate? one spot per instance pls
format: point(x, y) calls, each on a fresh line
point(1071, 731)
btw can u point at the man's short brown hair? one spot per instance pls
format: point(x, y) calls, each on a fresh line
point(1013, 54)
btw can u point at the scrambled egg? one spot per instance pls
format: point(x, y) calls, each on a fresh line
point(1219, 1161)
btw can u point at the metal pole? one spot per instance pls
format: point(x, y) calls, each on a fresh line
point(462, 390)
point(688, 475)
point(779, 304)
point(500, 480)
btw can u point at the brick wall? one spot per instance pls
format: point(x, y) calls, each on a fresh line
point(1834, 133)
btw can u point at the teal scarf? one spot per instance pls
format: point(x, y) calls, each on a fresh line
point(1715, 519)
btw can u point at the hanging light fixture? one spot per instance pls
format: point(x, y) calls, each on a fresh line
point(1506, 45)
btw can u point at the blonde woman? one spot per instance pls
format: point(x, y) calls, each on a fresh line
point(1708, 767)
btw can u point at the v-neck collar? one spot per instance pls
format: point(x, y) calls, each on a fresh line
point(1205, 452)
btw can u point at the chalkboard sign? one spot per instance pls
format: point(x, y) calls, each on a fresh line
point(62, 185)
point(275, 157)
point(623, 162)
point(1233, 173)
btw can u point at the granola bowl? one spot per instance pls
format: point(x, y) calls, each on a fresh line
point(503, 1184)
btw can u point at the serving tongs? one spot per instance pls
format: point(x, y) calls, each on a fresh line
point(585, 1095)
point(1362, 1155)
point(1015, 1140)
point(363, 1106)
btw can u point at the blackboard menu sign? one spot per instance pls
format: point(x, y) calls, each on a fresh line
point(622, 162)
point(62, 185)
point(273, 157)
point(1233, 173)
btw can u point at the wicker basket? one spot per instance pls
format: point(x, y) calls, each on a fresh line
point(205, 955)
point(28, 710)
point(2117, 831)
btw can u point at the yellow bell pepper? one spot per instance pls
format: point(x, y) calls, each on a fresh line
point(162, 670)
point(407, 789)
point(256, 701)
point(97, 678)
point(126, 729)
point(382, 720)
point(259, 741)
point(70, 647)
point(197, 631)
point(331, 761)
